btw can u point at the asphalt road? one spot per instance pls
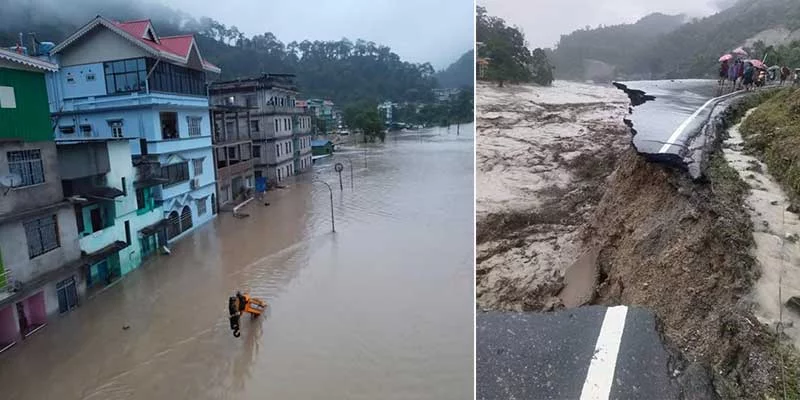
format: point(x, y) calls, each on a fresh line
point(584, 353)
point(672, 124)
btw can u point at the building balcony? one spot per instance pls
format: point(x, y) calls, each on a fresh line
point(132, 100)
point(96, 241)
point(225, 172)
point(177, 145)
point(278, 110)
point(148, 171)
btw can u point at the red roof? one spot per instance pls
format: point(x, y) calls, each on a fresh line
point(135, 28)
point(178, 45)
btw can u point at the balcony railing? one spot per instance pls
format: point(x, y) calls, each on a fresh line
point(6, 281)
point(272, 109)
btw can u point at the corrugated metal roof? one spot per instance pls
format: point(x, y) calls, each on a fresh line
point(28, 61)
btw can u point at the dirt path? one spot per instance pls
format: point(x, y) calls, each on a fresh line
point(543, 154)
point(776, 232)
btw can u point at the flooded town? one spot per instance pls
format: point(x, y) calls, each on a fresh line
point(176, 222)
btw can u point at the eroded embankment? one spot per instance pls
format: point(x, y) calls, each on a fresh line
point(683, 250)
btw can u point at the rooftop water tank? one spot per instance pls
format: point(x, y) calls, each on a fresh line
point(45, 47)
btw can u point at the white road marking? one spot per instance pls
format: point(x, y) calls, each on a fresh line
point(682, 127)
point(600, 376)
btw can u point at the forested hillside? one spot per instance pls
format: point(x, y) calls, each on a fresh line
point(619, 45)
point(659, 46)
point(460, 73)
point(344, 71)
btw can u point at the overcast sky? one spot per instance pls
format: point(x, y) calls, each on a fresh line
point(544, 21)
point(435, 31)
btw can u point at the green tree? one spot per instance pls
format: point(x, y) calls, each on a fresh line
point(509, 57)
point(364, 117)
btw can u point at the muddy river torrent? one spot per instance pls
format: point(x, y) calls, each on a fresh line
point(381, 309)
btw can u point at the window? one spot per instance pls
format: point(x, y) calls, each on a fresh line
point(7, 97)
point(194, 125)
point(256, 151)
point(141, 201)
point(250, 100)
point(28, 165)
point(128, 232)
point(230, 128)
point(86, 129)
point(170, 78)
point(232, 153)
point(276, 125)
point(116, 128)
point(124, 187)
point(125, 76)
point(67, 130)
point(258, 174)
point(278, 150)
point(90, 77)
point(246, 151)
point(197, 163)
point(201, 206)
point(175, 173)
point(169, 125)
point(42, 235)
point(254, 125)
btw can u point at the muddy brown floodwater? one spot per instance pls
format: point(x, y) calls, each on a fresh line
point(382, 309)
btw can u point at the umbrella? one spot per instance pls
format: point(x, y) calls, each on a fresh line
point(726, 57)
point(774, 68)
point(739, 52)
point(757, 64)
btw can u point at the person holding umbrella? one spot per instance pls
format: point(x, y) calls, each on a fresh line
point(723, 68)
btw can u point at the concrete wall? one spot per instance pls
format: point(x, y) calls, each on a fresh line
point(51, 298)
point(82, 80)
point(82, 160)
point(269, 151)
point(14, 246)
point(29, 197)
point(99, 45)
point(286, 170)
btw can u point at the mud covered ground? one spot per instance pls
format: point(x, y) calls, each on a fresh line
point(543, 154)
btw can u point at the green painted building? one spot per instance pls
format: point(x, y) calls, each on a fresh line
point(24, 112)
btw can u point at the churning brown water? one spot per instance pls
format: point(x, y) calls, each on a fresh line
point(382, 309)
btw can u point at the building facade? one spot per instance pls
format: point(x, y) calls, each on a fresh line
point(120, 80)
point(323, 110)
point(40, 256)
point(279, 130)
point(113, 210)
point(233, 153)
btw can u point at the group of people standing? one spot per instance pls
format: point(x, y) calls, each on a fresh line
point(742, 74)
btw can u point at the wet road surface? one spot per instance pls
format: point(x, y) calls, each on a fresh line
point(655, 121)
point(380, 309)
point(572, 354)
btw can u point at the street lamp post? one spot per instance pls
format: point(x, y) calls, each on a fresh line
point(333, 225)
